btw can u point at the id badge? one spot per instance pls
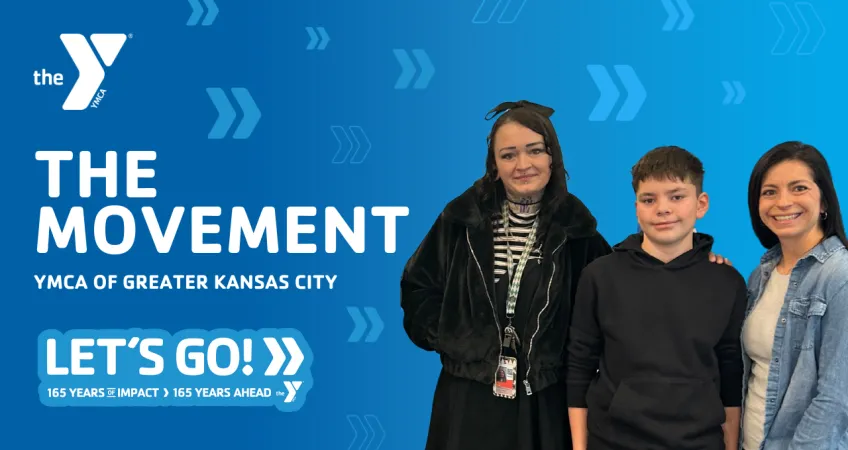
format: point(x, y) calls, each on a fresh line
point(505, 377)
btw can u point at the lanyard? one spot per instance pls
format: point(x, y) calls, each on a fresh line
point(515, 280)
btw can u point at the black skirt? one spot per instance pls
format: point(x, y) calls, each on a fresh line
point(467, 415)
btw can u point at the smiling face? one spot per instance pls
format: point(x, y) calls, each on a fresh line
point(522, 161)
point(790, 202)
point(667, 210)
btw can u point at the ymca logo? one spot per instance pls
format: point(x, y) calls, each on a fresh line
point(86, 92)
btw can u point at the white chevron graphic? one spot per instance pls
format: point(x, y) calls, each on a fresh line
point(278, 357)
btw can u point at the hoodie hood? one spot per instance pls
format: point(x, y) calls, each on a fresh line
point(702, 245)
point(572, 216)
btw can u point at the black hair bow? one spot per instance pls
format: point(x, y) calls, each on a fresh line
point(506, 106)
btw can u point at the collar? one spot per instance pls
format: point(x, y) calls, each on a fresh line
point(821, 252)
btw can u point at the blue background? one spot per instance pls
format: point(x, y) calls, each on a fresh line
point(426, 146)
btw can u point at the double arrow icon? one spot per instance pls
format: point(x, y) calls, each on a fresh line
point(317, 42)
point(227, 115)
point(361, 325)
point(278, 357)
point(673, 15)
point(370, 426)
point(197, 11)
point(813, 28)
point(609, 93)
point(355, 145)
point(408, 69)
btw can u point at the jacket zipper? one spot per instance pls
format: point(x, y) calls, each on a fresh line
point(494, 312)
point(539, 318)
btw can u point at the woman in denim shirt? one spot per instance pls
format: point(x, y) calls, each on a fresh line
point(795, 338)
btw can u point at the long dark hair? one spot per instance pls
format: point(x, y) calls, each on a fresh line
point(537, 118)
point(831, 224)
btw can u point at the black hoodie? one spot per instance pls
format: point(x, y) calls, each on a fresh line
point(654, 349)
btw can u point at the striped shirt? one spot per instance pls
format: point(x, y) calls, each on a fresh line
point(519, 230)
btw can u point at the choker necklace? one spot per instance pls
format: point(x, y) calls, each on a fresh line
point(522, 202)
point(524, 207)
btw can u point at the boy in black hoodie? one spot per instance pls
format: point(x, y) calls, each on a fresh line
point(654, 359)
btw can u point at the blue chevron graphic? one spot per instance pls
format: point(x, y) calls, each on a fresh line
point(350, 419)
point(377, 327)
point(227, 115)
point(610, 94)
point(636, 93)
point(733, 90)
point(370, 427)
point(360, 325)
point(251, 113)
point(427, 69)
point(360, 146)
point(783, 14)
point(810, 43)
point(807, 16)
point(408, 69)
point(315, 41)
point(213, 12)
point(197, 12)
point(673, 15)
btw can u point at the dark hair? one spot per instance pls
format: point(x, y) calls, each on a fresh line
point(831, 224)
point(537, 118)
point(670, 163)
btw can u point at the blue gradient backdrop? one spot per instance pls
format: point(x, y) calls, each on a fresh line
point(425, 146)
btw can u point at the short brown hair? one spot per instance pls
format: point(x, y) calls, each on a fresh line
point(669, 163)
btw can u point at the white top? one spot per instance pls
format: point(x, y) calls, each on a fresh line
point(758, 336)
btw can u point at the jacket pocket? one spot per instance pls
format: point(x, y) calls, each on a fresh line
point(807, 307)
point(805, 315)
point(672, 411)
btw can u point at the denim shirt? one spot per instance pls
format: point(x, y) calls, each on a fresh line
point(807, 392)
